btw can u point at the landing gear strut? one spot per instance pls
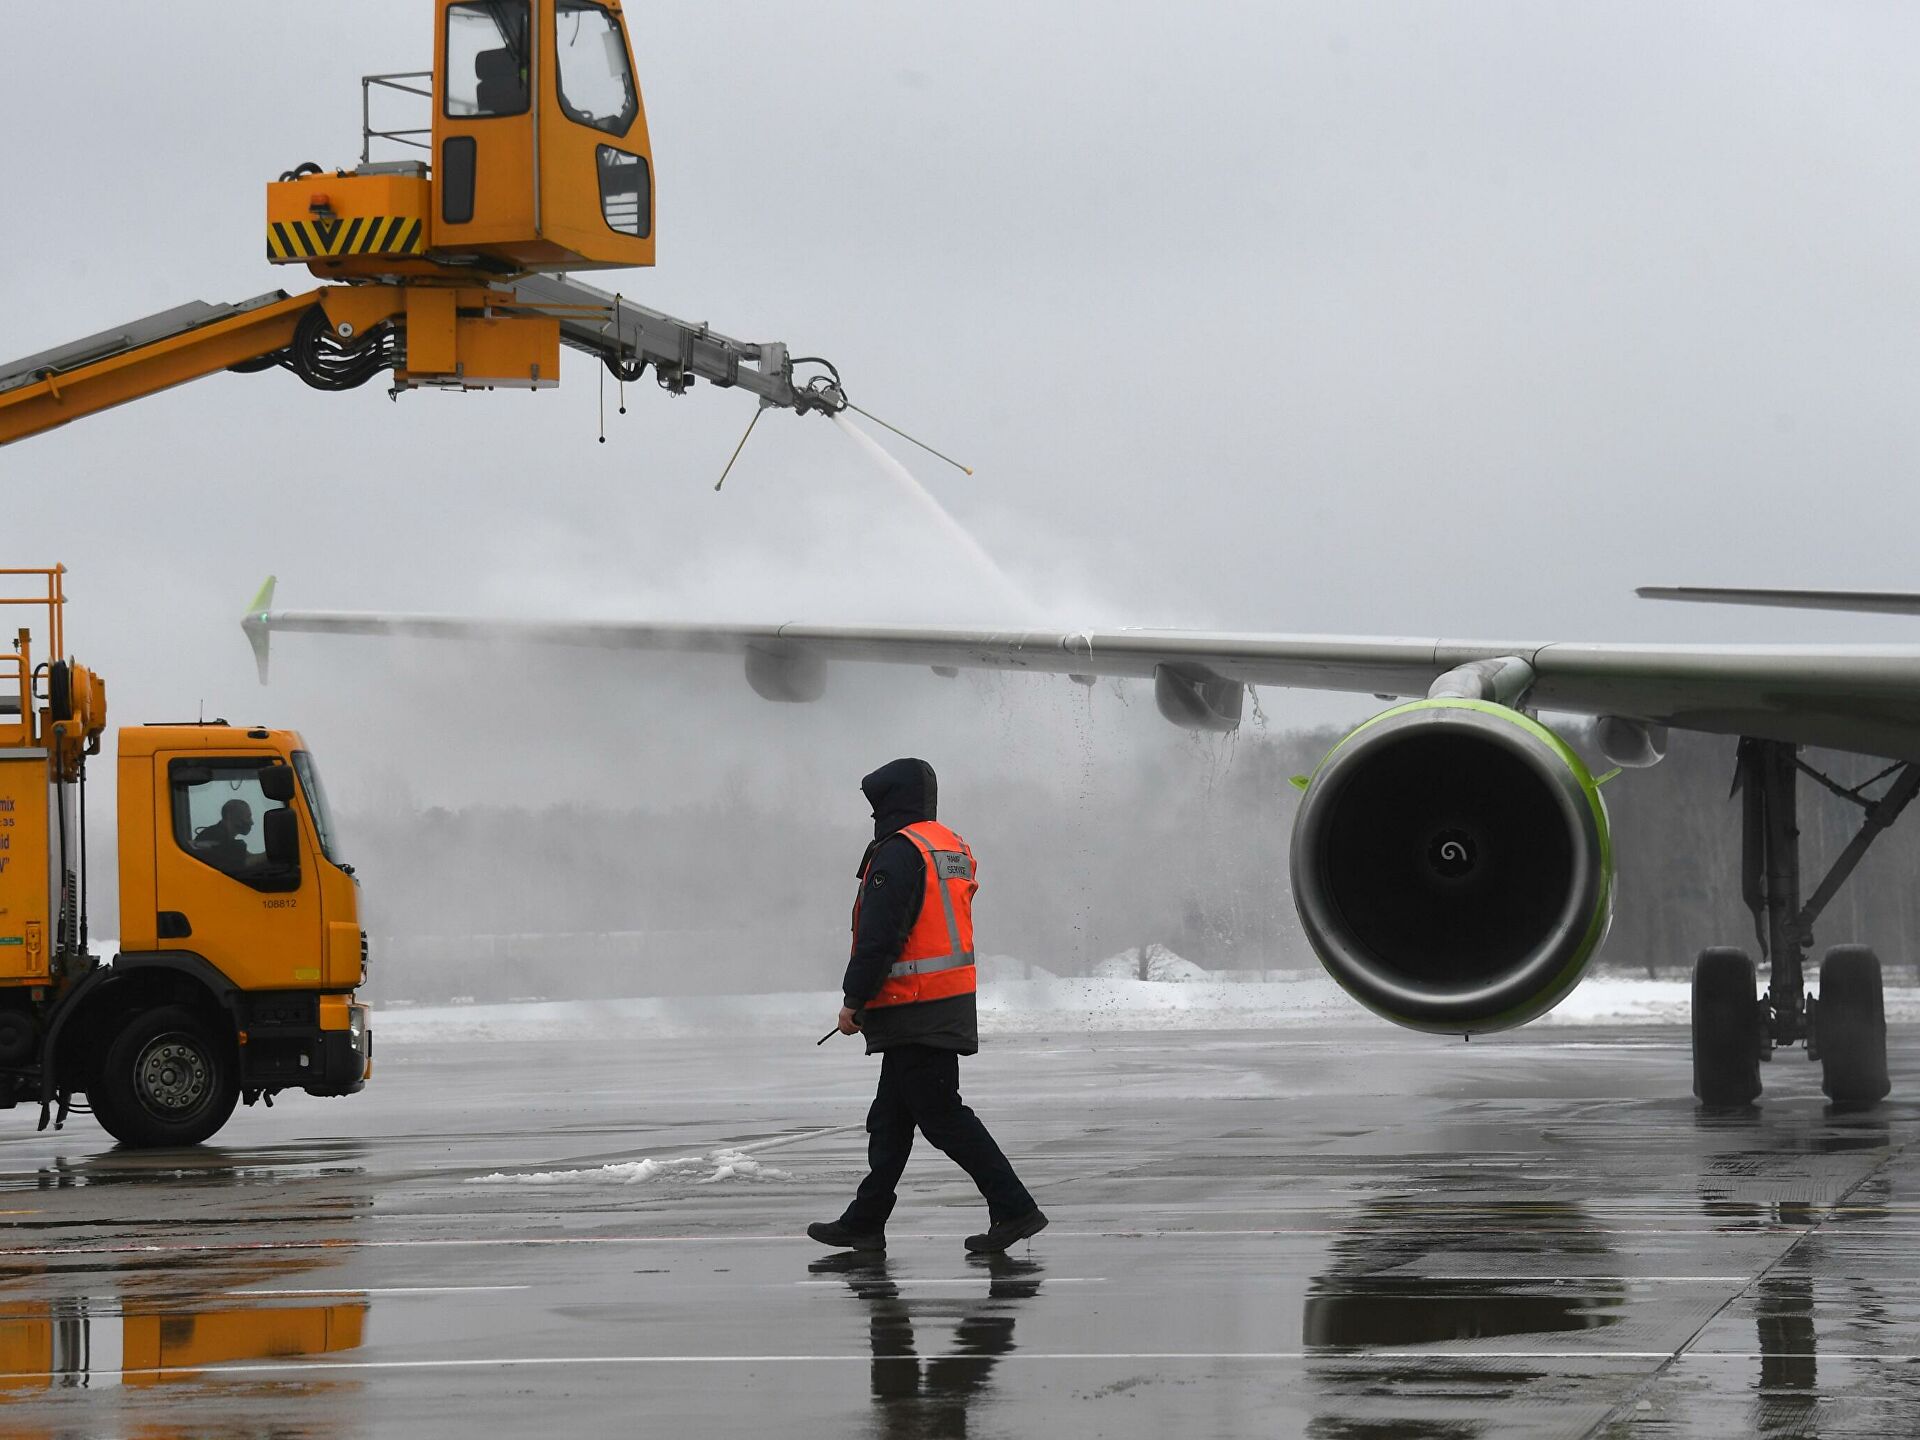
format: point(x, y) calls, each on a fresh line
point(1846, 1028)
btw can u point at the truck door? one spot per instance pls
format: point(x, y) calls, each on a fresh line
point(235, 878)
point(483, 125)
point(596, 162)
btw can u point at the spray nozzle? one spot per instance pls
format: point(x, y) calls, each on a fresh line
point(822, 393)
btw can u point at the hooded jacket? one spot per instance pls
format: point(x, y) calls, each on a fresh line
point(894, 884)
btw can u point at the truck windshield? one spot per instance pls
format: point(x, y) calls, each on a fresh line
point(596, 81)
point(303, 766)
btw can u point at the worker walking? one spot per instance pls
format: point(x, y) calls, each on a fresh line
point(909, 988)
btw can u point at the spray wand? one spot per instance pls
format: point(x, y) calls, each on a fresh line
point(825, 394)
point(965, 469)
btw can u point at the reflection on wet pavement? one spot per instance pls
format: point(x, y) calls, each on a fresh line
point(1355, 1235)
point(1364, 1300)
point(965, 1335)
point(81, 1344)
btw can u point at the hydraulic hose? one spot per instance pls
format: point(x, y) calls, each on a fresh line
point(325, 362)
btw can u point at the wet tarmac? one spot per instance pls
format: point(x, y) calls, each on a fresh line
point(1350, 1234)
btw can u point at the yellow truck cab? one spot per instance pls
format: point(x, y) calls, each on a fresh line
point(241, 945)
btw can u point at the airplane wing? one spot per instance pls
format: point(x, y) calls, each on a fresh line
point(1858, 602)
point(1862, 698)
point(1450, 863)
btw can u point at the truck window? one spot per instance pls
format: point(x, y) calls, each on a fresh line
point(218, 810)
point(596, 81)
point(486, 59)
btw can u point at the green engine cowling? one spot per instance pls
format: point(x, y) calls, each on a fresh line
point(1452, 866)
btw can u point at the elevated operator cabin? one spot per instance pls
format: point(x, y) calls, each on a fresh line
point(538, 157)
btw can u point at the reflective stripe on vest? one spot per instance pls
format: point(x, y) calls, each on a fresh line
point(936, 960)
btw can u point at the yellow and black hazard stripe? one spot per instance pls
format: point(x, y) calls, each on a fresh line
point(332, 239)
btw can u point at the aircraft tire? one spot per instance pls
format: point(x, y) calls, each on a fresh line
point(1850, 1025)
point(164, 1080)
point(1726, 1031)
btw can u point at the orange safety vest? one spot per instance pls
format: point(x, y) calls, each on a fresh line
point(937, 960)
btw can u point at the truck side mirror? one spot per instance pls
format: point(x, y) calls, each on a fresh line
point(276, 783)
point(281, 828)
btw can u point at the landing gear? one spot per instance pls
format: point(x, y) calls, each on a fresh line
point(1849, 1036)
point(1846, 1029)
point(1729, 1030)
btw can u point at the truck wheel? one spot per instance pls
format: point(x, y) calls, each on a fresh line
point(1850, 1025)
point(165, 1080)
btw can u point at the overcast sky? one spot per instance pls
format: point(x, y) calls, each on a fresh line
point(1447, 319)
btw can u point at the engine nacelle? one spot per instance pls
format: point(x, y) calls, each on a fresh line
point(789, 677)
point(1196, 699)
point(1452, 867)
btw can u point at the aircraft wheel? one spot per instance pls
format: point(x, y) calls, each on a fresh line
point(164, 1080)
point(1726, 1031)
point(1850, 1027)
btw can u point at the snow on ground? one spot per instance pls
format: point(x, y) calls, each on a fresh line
point(1039, 1006)
point(719, 1166)
point(1149, 962)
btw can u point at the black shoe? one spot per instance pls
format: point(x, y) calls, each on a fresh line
point(832, 1232)
point(1003, 1233)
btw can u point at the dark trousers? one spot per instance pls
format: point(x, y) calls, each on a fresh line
point(920, 1086)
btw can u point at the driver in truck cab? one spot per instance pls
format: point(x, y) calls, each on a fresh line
point(221, 844)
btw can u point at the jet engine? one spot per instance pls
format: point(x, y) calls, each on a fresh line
point(1452, 867)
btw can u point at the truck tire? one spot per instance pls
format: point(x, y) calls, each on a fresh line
point(166, 1079)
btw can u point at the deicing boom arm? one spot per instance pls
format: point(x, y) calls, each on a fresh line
point(627, 337)
point(84, 376)
point(339, 337)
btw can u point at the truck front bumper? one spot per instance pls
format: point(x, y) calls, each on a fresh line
point(343, 1059)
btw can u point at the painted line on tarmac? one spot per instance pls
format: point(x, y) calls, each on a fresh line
point(1571, 1279)
point(1418, 1357)
point(872, 1278)
point(485, 1242)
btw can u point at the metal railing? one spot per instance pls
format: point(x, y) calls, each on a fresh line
point(408, 137)
point(21, 682)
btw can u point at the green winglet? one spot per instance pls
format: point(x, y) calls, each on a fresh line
point(1300, 782)
point(254, 622)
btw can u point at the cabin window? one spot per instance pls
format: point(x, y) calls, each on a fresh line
point(626, 192)
point(596, 77)
point(487, 59)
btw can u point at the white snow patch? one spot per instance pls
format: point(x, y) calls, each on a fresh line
point(1624, 1000)
point(1043, 1004)
point(720, 1165)
point(994, 969)
point(1150, 962)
